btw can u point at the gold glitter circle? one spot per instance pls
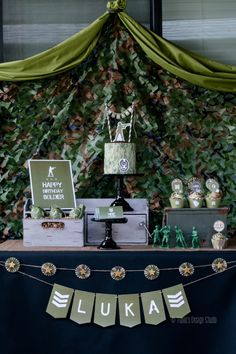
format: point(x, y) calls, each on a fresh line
point(117, 273)
point(151, 272)
point(219, 265)
point(82, 271)
point(12, 265)
point(186, 269)
point(48, 269)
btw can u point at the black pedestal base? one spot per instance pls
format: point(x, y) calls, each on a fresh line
point(108, 243)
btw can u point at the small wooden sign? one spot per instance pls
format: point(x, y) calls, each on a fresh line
point(52, 183)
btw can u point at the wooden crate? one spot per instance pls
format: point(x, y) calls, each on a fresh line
point(40, 232)
point(131, 233)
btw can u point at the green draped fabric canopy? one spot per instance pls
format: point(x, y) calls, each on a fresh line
point(70, 53)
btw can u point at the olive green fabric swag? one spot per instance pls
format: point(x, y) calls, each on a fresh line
point(72, 52)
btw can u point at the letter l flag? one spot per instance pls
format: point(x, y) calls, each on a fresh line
point(82, 308)
point(176, 301)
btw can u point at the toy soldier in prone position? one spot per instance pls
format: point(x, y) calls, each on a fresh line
point(156, 236)
point(166, 234)
point(180, 241)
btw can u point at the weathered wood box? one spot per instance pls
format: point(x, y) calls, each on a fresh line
point(131, 233)
point(46, 232)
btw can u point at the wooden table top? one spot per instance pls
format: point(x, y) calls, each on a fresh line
point(17, 245)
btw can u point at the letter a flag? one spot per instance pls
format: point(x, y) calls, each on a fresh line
point(105, 310)
point(153, 307)
point(176, 301)
point(129, 310)
point(82, 307)
point(59, 301)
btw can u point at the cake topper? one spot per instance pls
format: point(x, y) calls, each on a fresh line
point(195, 197)
point(212, 185)
point(177, 198)
point(121, 126)
point(177, 186)
point(195, 185)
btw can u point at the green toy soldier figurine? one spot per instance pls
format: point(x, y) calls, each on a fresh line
point(180, 241)
point(166, 234)
point(195, 238)
point(156, 236)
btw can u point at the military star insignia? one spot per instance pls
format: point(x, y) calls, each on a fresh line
point(12, 265)
point(219, 265)
point(48, 269)
point(186, 269)
point(82, 271)
point(152, 271)
point(118, 273)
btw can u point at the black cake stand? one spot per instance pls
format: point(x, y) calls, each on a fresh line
point(108, 243)
point(120, 200)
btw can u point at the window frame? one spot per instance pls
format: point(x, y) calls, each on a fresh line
point(1, 32)
point(155, 21)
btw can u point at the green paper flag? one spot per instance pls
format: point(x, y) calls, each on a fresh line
point(82, 307)
point(59, 301)
point(105, 310)
point(153, 307)
point(176, 301)
point(129, 310)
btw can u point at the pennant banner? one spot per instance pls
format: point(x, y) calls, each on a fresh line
point(129, 306)
point(82, 308)
point(153, 307)
point(129, 310)
point(59, 301)
point(105, 310)
point(176, 301)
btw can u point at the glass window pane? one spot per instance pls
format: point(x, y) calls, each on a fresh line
point(207, 27)
point(31, 26)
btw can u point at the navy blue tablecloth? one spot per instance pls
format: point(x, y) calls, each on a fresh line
point(26, 328)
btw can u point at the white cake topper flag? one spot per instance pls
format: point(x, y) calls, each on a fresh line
point(119, 136)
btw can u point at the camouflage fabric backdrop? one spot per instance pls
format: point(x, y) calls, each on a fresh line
point(181, 130)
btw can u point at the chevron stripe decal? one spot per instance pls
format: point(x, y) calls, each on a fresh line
point(59, 301)
point(176, 301)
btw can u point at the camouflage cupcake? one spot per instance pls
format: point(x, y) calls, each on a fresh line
point(176, 200)
point(213, 199)
point(195, 200)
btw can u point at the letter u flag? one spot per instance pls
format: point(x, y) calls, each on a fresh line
point(105, 310)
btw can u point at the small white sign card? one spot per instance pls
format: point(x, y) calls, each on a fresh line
point(52, 183)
